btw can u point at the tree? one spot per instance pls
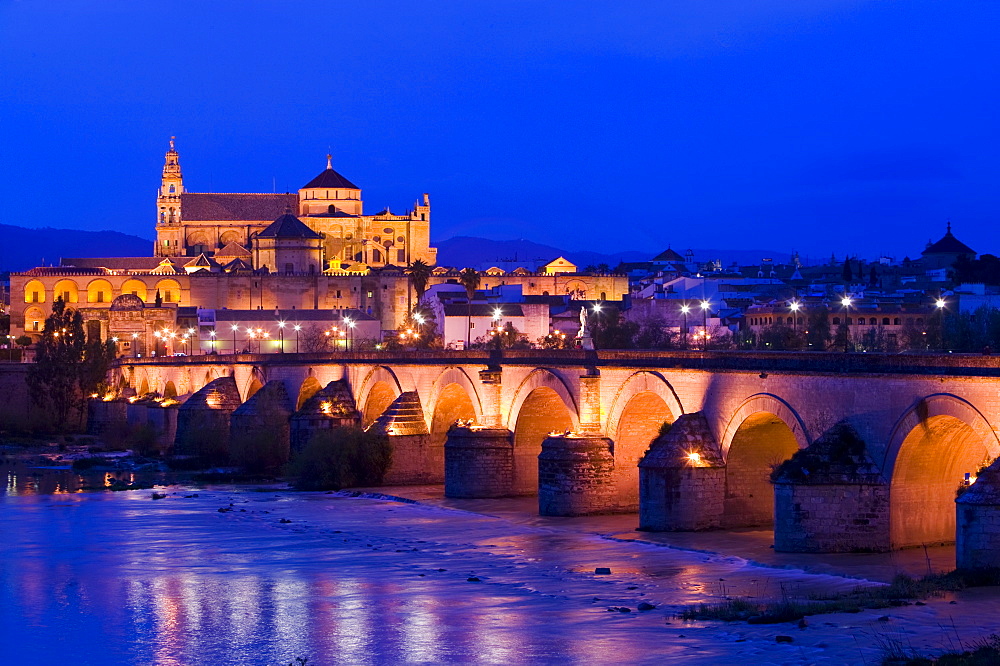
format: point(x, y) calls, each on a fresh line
point(469, 278)
point(818, 335)
point(4, 327)
point(67, 366)
point(610, 330)
point(342, 457)
point(846, 274)
point(420, 273)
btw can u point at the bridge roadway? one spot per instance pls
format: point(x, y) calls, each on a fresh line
point(926, 419)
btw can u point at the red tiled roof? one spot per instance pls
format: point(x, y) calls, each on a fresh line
point(256, 207)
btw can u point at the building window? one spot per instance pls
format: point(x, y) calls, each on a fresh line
point(371, 293)
point(401, 256)
point(34, 297)
point(65, 297)
point(885, 321)
point(896, 321)
point(338, 293)
point(872, 321)
point(100, 297)
point(34, 325)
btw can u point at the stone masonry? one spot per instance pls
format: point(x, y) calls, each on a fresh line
point(978, 526)
point(682, 479)
point(479, 462)
point(575, 476)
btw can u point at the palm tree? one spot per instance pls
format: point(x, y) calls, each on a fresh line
point(420, 272)
point(469, 279)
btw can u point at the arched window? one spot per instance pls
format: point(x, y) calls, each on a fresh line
point(791, 321)
point(885, 321)
point(604, 296)
point(872, 321)
point(896, 321)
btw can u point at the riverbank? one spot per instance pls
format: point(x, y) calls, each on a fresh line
point(261, 575)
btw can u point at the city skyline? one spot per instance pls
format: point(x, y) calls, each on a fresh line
point(847, 127)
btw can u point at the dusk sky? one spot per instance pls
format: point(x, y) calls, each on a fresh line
point(822, 126)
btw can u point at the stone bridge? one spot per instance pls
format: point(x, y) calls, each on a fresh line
point(919, 424)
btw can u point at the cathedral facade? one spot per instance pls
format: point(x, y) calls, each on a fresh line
point(280, 253)
point(189, 224)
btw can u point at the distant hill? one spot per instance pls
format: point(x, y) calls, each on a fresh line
point(21, 248)
point(481, 252)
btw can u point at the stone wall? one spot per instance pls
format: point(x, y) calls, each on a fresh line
point(203, 421)
point(831, 498)
point(576, 476)
point(478, 462)
point(977, 542)
point(682, 479)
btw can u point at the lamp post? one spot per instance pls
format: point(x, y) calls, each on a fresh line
point(211, 334)
point(705, 305)
point(846, 303)
point(940, 304)
point(794, 307)
point(685, 309)
point(281, 336)
point(135, 345)
point(235, 328)
point(297, 328)
point(350, 332)
point(115, 340)
point(497, 314)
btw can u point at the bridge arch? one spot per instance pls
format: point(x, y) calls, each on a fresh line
point(643, 403)
point(939, 439)
point(763, 432)
point(378, 389)
point(254, 383)
point(457, 376)
point(453, 397)
point(542, 403)
point(309, 387)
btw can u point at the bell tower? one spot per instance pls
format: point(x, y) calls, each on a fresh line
point(169, 233)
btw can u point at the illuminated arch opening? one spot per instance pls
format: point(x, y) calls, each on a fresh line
point(932, 461)
point(67, 290)
point(34, 320)
point(761, 442)
point(380, 397)
point(170, 290)
point(639, 424)
point(136, 287)
point(453, 403)
point(169, 390)
point(34, 292)
point(143, 387)
point(100, 291)
point(308, 389)
point(542, 412)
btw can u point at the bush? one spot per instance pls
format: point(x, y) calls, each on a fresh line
point(341, 457)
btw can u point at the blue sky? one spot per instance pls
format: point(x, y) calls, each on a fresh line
point(823, 126)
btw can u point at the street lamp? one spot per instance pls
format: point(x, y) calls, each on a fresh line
point(350, 331)
point(281, 336)
point(211, 334)
point(297, 329)
point(135, 345)
point(685, 309)
point(705, 305)
point(794, 307)
point(236, 327)
point(940, 303)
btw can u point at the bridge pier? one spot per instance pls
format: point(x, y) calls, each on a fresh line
point(259, 429)
point(576, 476)
point(682, 479)
point(478, 462)
point(977, 537)
point(415, 459)
point(328, 408)
point(203, 421)
point(831, 498)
